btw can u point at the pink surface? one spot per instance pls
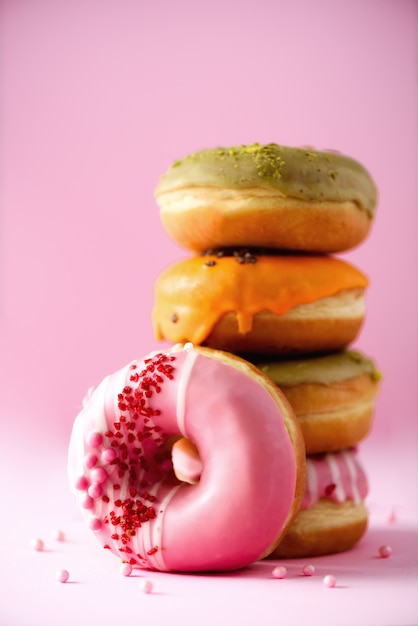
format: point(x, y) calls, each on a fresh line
point(98, 99)
point(370, 590)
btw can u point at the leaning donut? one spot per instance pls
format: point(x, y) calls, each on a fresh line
point(260, 303)
point(269, 196)
point(249, 443)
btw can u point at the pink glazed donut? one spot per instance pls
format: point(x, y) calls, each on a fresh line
point(121, 467)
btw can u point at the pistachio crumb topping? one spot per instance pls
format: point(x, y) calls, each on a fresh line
point(303, 173)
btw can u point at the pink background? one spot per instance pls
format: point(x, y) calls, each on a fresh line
point(98, 98)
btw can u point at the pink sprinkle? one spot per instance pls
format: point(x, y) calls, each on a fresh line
point(392, 517)
point(145, 585)
point(279, 572)
point(62, 575)
point(95, 440)
point(95, 490)
point(81, 483)
point(330, 580)
point(109, 455)
point(125, 569)
point(58, 535)
point(90, 460)
point(87, 502)
point(385, 551)
point(37, 544)
point(95, 523)
point(308, 570)
point(99, 475)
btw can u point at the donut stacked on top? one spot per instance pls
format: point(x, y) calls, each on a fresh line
point(264, 225)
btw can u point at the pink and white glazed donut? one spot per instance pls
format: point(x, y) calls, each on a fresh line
point(333, 516)
point(251, 450)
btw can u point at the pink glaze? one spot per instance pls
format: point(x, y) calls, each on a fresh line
point(145, 515)
point(337, 476)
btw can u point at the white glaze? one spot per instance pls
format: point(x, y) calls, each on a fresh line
point(338, 476)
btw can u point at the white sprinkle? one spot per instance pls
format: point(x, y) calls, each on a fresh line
point(37, 544)
point(385, 551)
point(58, 535)
point(330, 580)
point(62, 575)
point(145, 585)
point(308, 570)
point(279, 572)
point(125, 569)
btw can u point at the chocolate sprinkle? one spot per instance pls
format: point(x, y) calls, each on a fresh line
point(241, 256)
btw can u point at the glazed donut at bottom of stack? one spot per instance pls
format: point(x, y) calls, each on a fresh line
point(333, 396)
point(333, 516)
point(260, 303)
point(267, 196)
point(253, 462)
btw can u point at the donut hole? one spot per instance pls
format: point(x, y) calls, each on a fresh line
point(187, 464)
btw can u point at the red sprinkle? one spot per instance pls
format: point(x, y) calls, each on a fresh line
point(329, 489)
point(141, 456)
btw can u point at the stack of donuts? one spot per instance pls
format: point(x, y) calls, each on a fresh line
point(264, 226)
point(238, 442)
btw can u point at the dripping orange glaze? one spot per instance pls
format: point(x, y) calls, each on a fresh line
point(192, 295)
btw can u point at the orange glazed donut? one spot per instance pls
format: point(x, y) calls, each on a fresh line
point(252, 476)
point(265, 304)
point(267, 196)
point(333, 397)
point(333, 516)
